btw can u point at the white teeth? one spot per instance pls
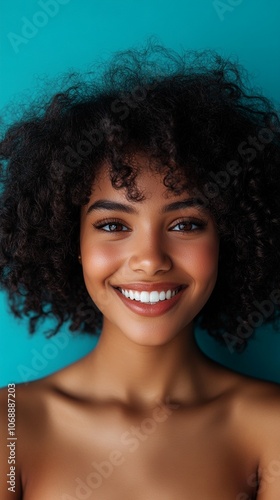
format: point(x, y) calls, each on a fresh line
point(154, 297)
point(149, 297)
point(145, 297)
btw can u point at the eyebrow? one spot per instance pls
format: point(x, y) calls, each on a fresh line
point(128, 209)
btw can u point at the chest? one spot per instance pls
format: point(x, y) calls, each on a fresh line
point(182, 456)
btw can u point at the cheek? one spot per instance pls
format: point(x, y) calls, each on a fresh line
point(202, 259)
point(100, 261)
point(96, 256)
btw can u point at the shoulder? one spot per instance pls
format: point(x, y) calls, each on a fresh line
point(253, 400)
point(259, 399)
point(37, 400)
point(253, 405)
point(24, 421)
point(25, 411)
point(256, 412)
point(31, 403)
point(262, 401)
point(10, 484)
point(27, 402)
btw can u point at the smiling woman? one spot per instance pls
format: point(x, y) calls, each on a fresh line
point(159, 221)
point(156, 250)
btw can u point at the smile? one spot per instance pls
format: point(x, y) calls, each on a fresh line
point(150, 303)
point(152, 297)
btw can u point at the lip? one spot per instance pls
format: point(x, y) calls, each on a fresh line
point(149, 287)
point(144, 309)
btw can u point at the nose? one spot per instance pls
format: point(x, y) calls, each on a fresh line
point(150, 256)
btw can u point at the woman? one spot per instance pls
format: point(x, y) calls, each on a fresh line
point(143, 205)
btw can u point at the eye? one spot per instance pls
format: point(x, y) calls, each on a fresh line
point(111, 226)
point(189, 226)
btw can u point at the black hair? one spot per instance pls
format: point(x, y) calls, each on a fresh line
point(206, 130)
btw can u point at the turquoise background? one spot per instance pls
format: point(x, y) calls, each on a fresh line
point(42, 39)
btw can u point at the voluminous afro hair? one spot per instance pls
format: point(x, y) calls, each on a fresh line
point(194, 117)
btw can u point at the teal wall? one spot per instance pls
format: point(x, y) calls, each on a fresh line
point(46, 38)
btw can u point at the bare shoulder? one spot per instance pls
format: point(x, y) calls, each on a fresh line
point(246, 392)
point(258, 397)
point(30, 406)
point(10, 484)
point(255, 418)
point(34, 401)
point(25, 420)
point(254, 403)
point(259, 408)
point(261, 400)
point(255, 398)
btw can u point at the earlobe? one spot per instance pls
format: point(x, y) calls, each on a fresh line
point(80, 259)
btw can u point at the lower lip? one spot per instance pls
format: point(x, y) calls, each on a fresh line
point(145, 309)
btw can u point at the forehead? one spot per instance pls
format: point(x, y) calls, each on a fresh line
point(155, 195)
point(147, 181)
point(148, 177)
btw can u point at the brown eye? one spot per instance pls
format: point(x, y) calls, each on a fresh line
point(188, 226)
point(183, 226)
point(111, 226)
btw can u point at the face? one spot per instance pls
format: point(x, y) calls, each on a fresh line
point(149, 266)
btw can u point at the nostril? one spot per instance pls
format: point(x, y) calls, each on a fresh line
point(151, 263)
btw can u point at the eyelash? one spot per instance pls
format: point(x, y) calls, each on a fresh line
point(108, 222)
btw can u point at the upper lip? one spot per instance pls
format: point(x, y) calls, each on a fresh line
point(158, 287)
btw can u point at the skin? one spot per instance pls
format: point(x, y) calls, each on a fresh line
point(146, 415)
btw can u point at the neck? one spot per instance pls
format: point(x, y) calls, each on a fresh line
point(141, 375)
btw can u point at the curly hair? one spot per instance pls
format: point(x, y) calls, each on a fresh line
point(206, 130)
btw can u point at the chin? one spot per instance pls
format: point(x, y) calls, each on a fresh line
point(153, 335)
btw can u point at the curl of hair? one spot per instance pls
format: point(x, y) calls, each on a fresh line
point(194, 116)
